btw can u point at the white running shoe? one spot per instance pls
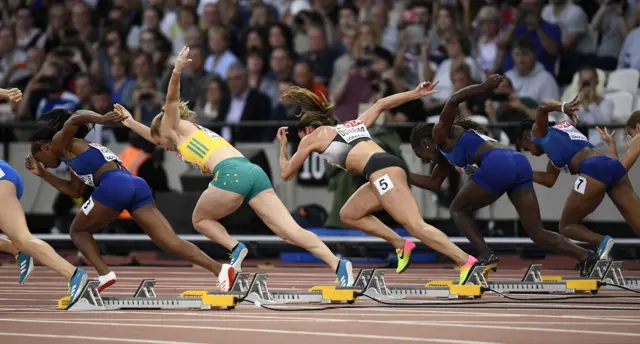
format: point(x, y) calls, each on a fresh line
point(106, 281)
point(226, 277)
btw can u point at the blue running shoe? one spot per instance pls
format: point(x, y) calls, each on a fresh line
point(26, 266)
point(77, 283)
point(345, 273)
point(237, 256)
point(605, 247)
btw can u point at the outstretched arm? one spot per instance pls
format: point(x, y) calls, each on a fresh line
point(434, 181)
point(81, 117)
point(73, 188)
point(450, 111)
point(387, 103)
point(171, 116)
point(547, 178)
point(134, 125)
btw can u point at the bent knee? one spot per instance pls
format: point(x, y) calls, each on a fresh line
point(22, 241)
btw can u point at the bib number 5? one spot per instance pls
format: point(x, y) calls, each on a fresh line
point(383, 184)
point(580, 186)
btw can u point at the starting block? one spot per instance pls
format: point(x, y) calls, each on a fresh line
point(604, 271)
point(379, 290)
point(257, 292)
point(144, 298)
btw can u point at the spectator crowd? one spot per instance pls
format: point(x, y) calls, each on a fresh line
point(90, 54)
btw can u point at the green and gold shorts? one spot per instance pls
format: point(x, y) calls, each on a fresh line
point(241, 176)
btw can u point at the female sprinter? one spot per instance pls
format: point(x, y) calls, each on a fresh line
point(115, 190)
point(21, 243)
point(570, 150)
point(500, 170)
point(349, 146)
point(235, 179)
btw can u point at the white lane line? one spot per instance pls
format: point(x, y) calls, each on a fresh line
point(258, 319)
point(239, 329)
point(424, 323)
point(102, 339)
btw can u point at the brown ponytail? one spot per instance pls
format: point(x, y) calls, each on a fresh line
point(315, 112)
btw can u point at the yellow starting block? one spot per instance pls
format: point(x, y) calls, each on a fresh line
point(220, 301)
point(332, 294)
point(63, 303)
point(584, 285)
point(465, 290)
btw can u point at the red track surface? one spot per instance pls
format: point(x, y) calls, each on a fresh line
point(28, 314)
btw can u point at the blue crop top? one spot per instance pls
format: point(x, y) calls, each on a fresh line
point(562, 142)
point(89, 162)
point(463, 154)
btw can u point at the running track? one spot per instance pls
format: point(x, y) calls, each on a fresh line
point(28, 314)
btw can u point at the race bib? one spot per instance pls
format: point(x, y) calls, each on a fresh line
point(88, 206)
point(352, 130)
point(1, 173)
point(485, 137)
point(468, 170)
point(580, 185)
point(383, 184)
point(87, 179)
point(106, 152)
point(570, 130)
point(210, 133)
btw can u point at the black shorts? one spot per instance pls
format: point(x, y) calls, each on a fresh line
point(379, 161)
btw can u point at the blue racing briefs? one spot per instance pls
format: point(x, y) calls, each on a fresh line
point(604, 169)
point(119, 190)
point(503, 170)
point(8, 173)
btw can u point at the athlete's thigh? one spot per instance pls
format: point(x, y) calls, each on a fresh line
point(472, 197)
point(273, 212)
point(153, 223)
point(93, 215)
point(363, 202)
point(525, 200)
point(585, 197)
point(215, 203)
point(395, 196)
point(12, 219)
point(627, 201)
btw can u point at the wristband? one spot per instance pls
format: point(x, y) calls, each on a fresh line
point(562, 109)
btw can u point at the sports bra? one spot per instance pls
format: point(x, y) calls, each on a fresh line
point(462, 157)
point(348, 135)
point(562, 142)
point(90, 161)
point(197, 149)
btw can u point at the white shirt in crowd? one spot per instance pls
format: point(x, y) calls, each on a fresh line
point(236, 108)
point(572, 20)
point(538, 85)
point(596, 114)
point(630, 53)
point(443, 73)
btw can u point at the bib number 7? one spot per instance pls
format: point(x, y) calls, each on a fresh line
point(580, 186)
point(383, 184)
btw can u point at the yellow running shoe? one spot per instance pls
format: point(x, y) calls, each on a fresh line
point(465, 270)
point(404, 256)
